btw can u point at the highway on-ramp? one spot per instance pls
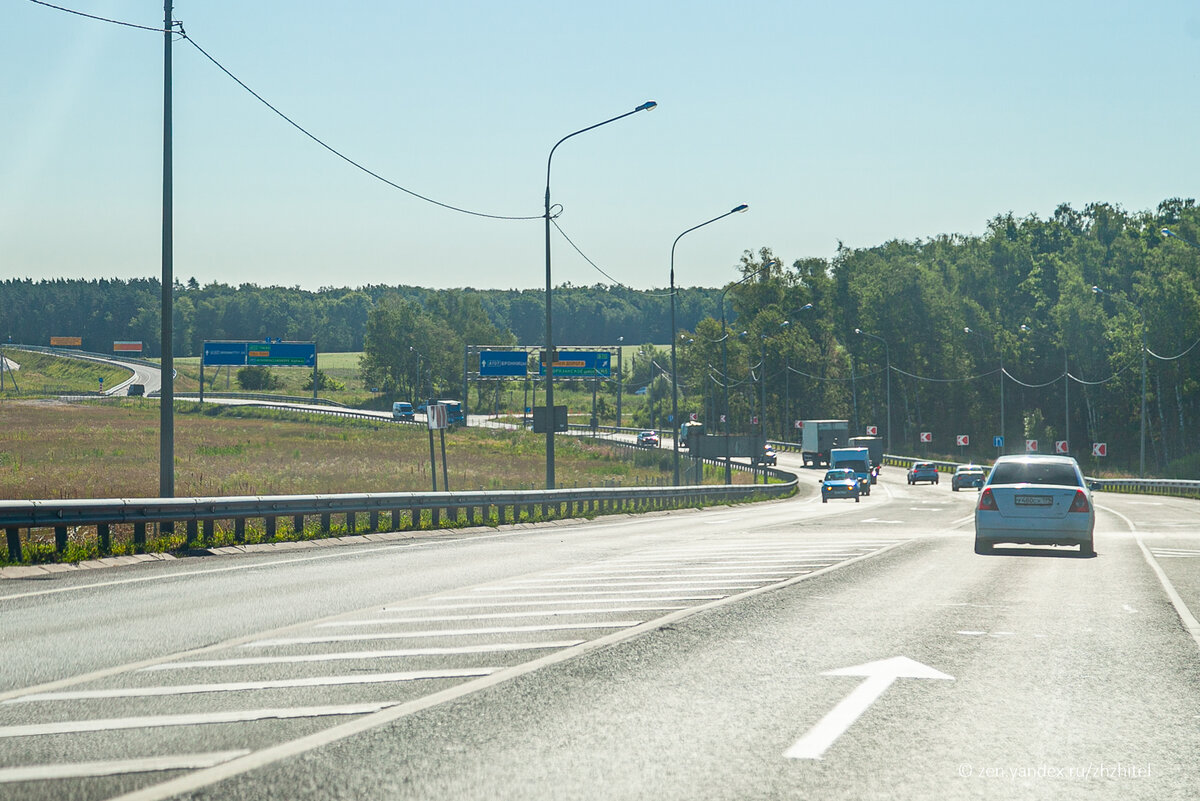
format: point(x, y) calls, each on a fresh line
point(789, 649)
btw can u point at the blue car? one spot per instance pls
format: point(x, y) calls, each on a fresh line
point(839, 483)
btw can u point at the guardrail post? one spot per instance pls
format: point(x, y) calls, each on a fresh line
point(192, 530)
point(209, 527)
point(395, 520)
point(60, 539)
point(14, 543)
point(139, 537)
point(325, 523)
point(374, 518)
point(269, 523)
point(298, 524)
point(239, 529)
point(435, 517)
point(351, 522)
point(470, 515)
point(105, 540)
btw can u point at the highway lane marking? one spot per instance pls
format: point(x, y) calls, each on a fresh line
point(617, 576)
point(271, 684)
point(352, 656)
point(879, 676)
point(117, 767)
point(1185, 615)
point(191, 719)
point(501, 603)
point(416, 635)
point(272, 754)
point(500, 595)
point(389, 621)
point(1170, 553)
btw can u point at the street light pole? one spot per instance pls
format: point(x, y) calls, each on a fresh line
point(725, 362)
point(620, 378)
point(1000, 354)
point(647, 106)
point(888, 356)
point(1142, 321)
point(674, 374)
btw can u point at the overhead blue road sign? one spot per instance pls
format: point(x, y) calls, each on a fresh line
point(224, 353)
point(581, 364)
point(503, 363)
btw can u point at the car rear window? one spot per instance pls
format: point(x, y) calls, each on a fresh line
point(1034, 473)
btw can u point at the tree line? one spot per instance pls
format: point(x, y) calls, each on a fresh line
point(953, 319)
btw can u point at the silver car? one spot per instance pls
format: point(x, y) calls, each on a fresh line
point(1035, 500)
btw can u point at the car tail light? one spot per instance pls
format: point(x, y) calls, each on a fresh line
point(1080, 504)
point(987, 503)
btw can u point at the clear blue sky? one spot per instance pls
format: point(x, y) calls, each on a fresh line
point(859, 121)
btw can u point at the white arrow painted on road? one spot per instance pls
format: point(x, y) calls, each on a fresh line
point(880, 676)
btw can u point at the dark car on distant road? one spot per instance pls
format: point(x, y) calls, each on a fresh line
point(923, 471)
point(647, 439)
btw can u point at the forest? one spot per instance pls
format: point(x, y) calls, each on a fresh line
point(951, 328)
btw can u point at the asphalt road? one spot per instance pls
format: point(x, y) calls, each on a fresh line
point(791, 649)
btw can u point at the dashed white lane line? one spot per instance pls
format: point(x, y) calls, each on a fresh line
point(197, 719)
point(694, 574)
point(391, 621)
point(416, 635)
point(242, 686)
point(400, 653)
point(116, 767)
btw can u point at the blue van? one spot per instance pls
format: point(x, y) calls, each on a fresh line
point(402, 410)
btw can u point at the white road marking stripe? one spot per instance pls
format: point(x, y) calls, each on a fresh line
point(197, 719)
point(492, 616)
point(402, 635)
point(564, 601)
point(358, 655)
point(500, 593)
point(693, 573)
point(240, 686)
point(733, 561)
point(117, 767)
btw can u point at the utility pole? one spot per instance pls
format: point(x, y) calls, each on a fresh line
point(166, 403)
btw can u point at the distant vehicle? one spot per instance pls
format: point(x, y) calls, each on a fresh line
point(1035, 500)
point(875, 446)
point(923, 471)
point(967, 475)
point(839, 483)
point(856, 459)
point(402, 410)
point(768, 457)
point(454, 411)
point(137, 389)
point(817, 437)
point(647, 439)
point(689, 432)
point(642, 391)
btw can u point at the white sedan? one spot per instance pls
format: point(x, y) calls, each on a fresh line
point(1035, 500)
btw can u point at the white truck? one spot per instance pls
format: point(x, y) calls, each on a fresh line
point(856, 459)
point(817, 437)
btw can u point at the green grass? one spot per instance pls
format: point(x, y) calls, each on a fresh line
point(42, 373)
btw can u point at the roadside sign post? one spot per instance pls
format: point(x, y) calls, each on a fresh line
point(962, 440)
point(435, 417)
point(1099, 449)
point(998, 444)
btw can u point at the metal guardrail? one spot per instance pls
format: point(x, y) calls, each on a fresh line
point(259, 396)
point(404, 510)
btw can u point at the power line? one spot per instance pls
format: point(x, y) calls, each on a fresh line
point(101, 19)
point(290, 121)
point(346, 158)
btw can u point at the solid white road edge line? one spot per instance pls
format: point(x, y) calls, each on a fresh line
point(117, 767)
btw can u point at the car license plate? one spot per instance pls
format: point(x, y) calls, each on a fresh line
point(1033, 500)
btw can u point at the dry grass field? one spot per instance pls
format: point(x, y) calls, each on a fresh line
point(106, 449)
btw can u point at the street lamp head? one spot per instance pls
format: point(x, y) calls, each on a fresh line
point(858, 331)
point(806, 307)
point(1097, 290)
point(649, 105)
point(1025, 327)
point(968, 330)
point(739, 209)
point(1167, 232)
point(785, 323)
